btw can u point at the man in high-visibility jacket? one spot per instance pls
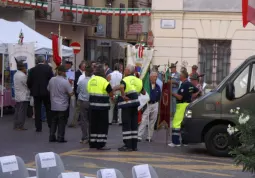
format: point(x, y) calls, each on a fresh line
point(183, 96)
point(130, 88)
point(99, 90)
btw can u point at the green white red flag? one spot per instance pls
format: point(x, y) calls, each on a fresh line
point(248, 11)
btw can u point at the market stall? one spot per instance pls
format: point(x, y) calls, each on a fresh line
point(10, 37)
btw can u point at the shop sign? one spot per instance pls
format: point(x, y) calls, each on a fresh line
point(104, 43)
point(135, 28)
point(167, 24)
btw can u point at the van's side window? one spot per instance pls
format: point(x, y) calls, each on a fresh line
point(241, 83)
point(252, 86)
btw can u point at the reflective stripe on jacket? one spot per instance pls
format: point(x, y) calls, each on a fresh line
point(133, 88)
point(98, 96)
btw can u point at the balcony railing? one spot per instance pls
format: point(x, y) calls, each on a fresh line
point(54, 14)
point(50, 11)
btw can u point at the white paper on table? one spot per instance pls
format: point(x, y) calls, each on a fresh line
point(9, 163)
point(108, 173)
point(142, 171)
point(47, 159)
point(143, 99)
point(70, 175)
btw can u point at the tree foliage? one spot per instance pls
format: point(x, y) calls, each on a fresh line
point(244, 152)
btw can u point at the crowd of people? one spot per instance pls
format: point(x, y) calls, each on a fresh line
point(103, 96)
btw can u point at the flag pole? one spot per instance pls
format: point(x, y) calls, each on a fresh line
point(60, 39)
point(170, 114)
point(148, 118)
point(2, 89)
point(170, 98)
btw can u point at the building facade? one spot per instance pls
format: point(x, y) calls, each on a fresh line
point(72, 26)
point(200, 32)
point(114, 28)
point(27, 16)
point(83, 21)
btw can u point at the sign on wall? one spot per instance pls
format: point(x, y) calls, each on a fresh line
point(167, 24)
point(100, 30)
point(104, 43)
point(134, 29)
point(25, 53)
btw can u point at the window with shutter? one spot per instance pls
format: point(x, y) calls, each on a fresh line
point(214, 60)
point(109, 26)
point(70, 2)
point(130, 18)
point(122, 24)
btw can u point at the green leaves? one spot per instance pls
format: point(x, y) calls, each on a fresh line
point(244, 153)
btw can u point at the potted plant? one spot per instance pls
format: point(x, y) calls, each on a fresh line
point(41, 13)
point(89, 19)
point(68, 16)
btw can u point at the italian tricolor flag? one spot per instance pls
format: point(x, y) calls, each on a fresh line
point(65, 8)
point(248, 8)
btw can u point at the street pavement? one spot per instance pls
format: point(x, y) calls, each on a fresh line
point(183, 162)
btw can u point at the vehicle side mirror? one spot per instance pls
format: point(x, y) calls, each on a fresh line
point(230, 91)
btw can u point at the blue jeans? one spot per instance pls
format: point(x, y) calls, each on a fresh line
point(43, 113)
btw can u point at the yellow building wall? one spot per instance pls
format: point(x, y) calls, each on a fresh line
point(102, 18)
point(181, 43)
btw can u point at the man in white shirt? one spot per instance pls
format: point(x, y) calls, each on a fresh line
point(93, 64)
point(22, 96)
point(114, 78)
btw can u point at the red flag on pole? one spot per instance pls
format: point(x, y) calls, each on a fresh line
point(248, 11)
point(56, 57)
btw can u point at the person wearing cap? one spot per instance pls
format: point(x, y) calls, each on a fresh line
point(37, 81)
point(130, 88)
point(194, 70)
point(60, 93)
point(70, 73)
point(99, 90)
point(175, 79)
point(83, 100)
point(184, 97)
point(22, 96)
point(194, 79)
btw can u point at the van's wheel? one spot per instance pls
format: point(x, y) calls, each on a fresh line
point(217, 140)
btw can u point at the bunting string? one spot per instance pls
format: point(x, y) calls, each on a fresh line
point(28, 3)
point(85, 9)
point(106, 11)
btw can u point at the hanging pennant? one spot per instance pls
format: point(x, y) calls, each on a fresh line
point(80, 9)
point(104, 11)
point(98, 11)
point(85, 9)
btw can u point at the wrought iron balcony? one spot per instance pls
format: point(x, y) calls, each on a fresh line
point(53, 14)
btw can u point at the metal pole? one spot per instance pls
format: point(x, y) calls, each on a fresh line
point(148, 122)
point(59, 30)
point(2, 90)
point(75, 62)
point(169, 128)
